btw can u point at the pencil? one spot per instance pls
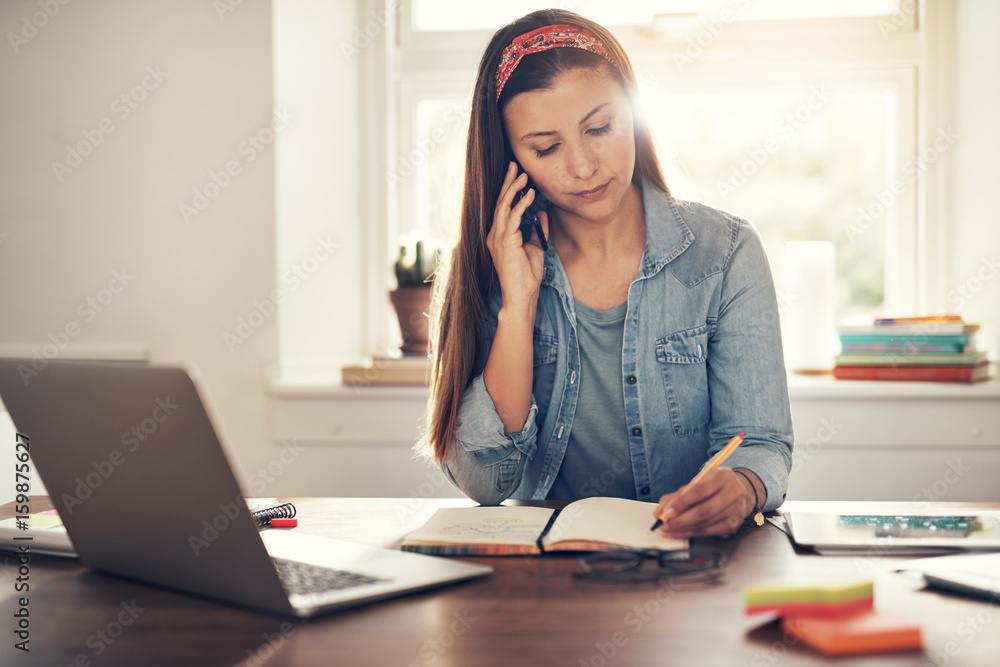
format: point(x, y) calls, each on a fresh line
point(716, 461)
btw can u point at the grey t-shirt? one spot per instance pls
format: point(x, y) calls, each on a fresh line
point(597, 460)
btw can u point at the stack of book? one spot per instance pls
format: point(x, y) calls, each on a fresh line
point(934, 349)
point(409, 369)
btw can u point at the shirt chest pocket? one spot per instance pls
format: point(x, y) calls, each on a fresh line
point(682, 358)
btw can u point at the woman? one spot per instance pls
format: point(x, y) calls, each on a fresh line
point(617, 357)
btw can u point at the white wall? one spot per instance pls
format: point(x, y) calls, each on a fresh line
point(119, 209)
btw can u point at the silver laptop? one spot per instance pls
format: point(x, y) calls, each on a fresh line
point(132, 462)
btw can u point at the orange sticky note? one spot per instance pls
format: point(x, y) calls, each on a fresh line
point(867, 632)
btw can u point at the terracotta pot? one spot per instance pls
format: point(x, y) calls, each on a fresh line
point(412, 305)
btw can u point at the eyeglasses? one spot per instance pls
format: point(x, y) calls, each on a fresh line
point(696, 565)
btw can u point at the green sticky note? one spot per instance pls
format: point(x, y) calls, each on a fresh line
point(44, 521)
point(36, 522)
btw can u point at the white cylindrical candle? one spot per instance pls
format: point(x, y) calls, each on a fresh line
point(809, 308)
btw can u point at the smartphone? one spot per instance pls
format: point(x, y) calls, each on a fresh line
point(530, 218)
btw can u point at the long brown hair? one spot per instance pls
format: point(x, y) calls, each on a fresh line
point(458, 311)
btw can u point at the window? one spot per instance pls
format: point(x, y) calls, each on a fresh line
point(457, 15)
point(800, 161)
point(803, 117)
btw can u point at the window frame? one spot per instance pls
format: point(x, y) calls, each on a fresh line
point(914, 58)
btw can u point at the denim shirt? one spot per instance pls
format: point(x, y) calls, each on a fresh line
point(701, 361)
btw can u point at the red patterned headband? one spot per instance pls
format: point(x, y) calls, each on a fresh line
point(543, 39)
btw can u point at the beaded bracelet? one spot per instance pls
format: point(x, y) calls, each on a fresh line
point(758, 516)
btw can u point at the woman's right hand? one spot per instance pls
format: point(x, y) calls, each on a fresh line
point(519, 265)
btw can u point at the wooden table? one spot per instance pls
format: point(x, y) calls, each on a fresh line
point(529, 612)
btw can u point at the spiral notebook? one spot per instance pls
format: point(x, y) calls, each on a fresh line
point(263, 512)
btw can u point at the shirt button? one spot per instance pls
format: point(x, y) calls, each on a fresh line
point(637, 431)
point(630, 379)
point(644, 490)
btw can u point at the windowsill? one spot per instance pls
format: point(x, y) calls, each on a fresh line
point(826, 387)
point(325, 382)
point(799, 387)
point(331, 387)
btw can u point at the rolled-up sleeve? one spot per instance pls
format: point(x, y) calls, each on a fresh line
point(482, 461)
point(747, 382)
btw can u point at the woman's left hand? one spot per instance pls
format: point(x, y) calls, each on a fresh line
point(715, 506)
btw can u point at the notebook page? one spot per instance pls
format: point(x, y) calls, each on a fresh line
point(615, 521)
point(482, 525)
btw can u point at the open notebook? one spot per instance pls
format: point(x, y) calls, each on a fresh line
point(591, 524)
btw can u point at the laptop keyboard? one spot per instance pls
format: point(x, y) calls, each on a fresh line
point(305, 579)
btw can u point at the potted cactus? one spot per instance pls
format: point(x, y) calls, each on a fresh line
point(412, 296)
